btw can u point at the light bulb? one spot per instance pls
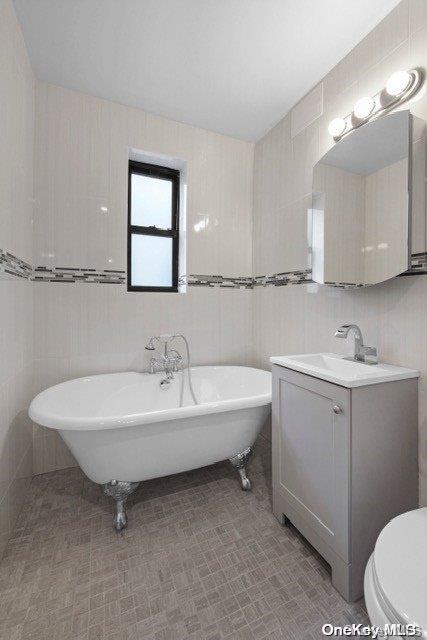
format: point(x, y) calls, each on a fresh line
point(398, 83)
point(337, 127)
point(363, 108)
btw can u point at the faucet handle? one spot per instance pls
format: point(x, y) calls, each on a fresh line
point(370, 354)
point(177, 362)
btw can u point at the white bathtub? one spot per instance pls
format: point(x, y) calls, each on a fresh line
point(124, 427)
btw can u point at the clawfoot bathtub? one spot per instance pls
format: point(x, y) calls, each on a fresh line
point(124, 428)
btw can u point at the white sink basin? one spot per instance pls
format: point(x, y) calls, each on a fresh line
point(340, 370)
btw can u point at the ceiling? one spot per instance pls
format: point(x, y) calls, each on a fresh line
point(231, 66)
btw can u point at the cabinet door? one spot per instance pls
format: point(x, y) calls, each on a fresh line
point(311, 442)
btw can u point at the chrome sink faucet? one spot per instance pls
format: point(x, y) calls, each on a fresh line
point(362, 353)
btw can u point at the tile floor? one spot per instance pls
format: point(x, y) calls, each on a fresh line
point(200, 560)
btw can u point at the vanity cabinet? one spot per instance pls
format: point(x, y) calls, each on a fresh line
point(344, 464)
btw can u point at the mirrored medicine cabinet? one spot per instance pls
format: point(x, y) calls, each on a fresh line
point(368, 211)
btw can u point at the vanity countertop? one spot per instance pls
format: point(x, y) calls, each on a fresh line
point(342, 370)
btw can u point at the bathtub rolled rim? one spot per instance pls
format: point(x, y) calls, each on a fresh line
point(57, 422)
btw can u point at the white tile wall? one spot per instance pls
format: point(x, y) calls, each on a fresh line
point(303, 318)
point(16, 301)
point(82, 150)
point(417, 14)
point(307, 110)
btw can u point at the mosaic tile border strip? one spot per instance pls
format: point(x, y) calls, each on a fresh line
point(74, 274)
point(418, 263)
point(78, 274)
point(223, 282)
point(10, 265)
point(346, 285)
point(283, 279)
point(275, 280)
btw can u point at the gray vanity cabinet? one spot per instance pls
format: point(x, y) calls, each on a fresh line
point(344, 464)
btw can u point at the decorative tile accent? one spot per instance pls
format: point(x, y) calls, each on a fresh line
point(418, 263)
point(78, 274)
point(218, 281)
point(10, 266)
point(283, 279)
point(345, 285)
point(275, 280)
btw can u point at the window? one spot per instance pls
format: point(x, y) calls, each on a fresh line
point(153, 228)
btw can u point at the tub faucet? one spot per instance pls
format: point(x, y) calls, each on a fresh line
point(362, 353)
point(170, 362)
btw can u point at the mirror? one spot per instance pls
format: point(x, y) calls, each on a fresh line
point(361, 209)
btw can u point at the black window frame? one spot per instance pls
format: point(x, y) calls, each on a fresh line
point(164, 173)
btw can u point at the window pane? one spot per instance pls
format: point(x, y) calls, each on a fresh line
point(151, 202)
point(151, 261)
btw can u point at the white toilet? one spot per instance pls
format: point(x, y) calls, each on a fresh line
point(396, 574)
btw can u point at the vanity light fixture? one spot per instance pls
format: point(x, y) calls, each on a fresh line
point(337, 127)
point(401, 86)
point(364, 107)
point(398, 83)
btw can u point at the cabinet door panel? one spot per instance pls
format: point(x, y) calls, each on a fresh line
point(313, 460)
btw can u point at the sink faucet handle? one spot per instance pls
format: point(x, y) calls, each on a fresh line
point(369, 354)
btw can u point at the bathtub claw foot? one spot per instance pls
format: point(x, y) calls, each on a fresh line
point(120, 519)
point(239, 462)
point(245, 482)
point(119, 491)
